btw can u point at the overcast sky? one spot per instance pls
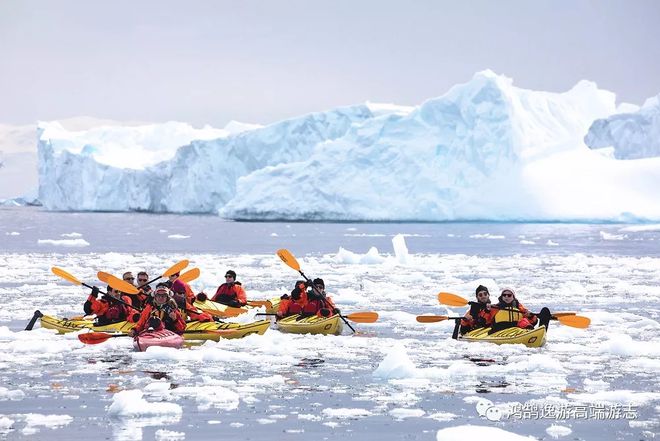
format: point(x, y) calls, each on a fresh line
point(262, 61)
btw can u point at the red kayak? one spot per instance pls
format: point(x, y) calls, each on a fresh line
point(164, 338)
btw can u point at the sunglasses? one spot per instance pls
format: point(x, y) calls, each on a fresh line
point(228, 276)
point(483, 294)
point(507, 295)
point(143, 280)
point(129, 278)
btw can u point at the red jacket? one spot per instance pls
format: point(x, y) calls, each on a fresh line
point(176, 324)
point(109, 311)
point(231, 294)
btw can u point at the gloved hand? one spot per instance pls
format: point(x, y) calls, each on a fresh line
point(308, 283)
point(133, 332)
point(285, 297)
point(154, 322)
point(136, 317)
point(95, 292)
point(202, 297)
point(325, 312)
point(336, 311)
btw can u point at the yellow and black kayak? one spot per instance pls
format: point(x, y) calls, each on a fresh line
point(297, 324)
point(533, 338)
point(223, 311)
point(194, 330)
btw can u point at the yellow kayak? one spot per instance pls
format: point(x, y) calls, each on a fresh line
point(296, 324)
point(532, 338)
point(223, 311)
point(194, 330)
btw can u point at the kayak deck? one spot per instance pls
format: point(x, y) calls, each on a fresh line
point(533, 338)
point(296, 324)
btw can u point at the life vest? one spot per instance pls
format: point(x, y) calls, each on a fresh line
point(177, 325)
point(230, 294)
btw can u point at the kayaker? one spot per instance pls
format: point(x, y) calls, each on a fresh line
point(231, 293)
point(294, 303)
point(108, 310)
point(137, 300)
point(318, 302)
point(162, 313)
point(511, 313)
point(128, 277)
point(480, 314)
point(184, 297)
point(142, 279)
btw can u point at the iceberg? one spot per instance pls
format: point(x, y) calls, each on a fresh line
point(633, 135)
point(485, 150)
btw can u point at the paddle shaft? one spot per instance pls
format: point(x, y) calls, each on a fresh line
point(115, 299)
point(324, 300)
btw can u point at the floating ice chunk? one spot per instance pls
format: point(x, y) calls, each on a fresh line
point(624, 345)
point(274, 235)
point(12, 395)
point(640, 228)
point(177, 236)
point(608, 236)
point(396, 364)
point(442, 416)
point(550, 243)
point(461, 433)
point(487, 236)
point(51, 421)
point(5, 423)
point(349, 257)
point(527, 242)
point(64, 242)
point(616, 397)
point(556, 431)
point(400, 249)
point(130, 403)
point(401, 413)
point(72, 235)
point(346, 413)
point(163, 435)
point(12, 233)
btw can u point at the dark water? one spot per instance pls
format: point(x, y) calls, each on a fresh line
point(140, 232)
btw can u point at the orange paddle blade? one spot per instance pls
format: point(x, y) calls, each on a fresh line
point(94, 338)
point(447, 298)
point(431, 318)
point(59, 272)
point(288, 258)
point(190, 275)
point(177, 267)
point(562, 314)
point(575, 321)
point(258, 303)
point(363, 317)
point(117, 283)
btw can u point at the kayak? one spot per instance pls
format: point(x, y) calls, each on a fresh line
point(297, 324)
point(194, 330)
point(164, 338)
point(532, 338)
point(223, 311)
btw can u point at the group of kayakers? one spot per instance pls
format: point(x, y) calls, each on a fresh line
point(306, 302)
point(508, 312)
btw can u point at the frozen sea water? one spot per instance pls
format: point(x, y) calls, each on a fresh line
point(280, 386)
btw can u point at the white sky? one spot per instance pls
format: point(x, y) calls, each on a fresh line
point(262, 61)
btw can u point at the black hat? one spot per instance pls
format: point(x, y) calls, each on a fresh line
point(481, 288)
point(319, 282)
point(231, 273)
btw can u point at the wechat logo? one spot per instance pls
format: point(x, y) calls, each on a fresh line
point(486, 409)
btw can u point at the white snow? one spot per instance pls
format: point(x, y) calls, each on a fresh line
point(609, 236)
point(484, 150)
point(400, 249)
point(346, 413)
point(178, 236)
point(557, 431)
point(348, 257)
point(163, 434)
point(130, 403)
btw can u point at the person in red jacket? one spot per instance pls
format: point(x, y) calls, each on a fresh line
point(109, 309)
point(230, 293)
point(184, 297)
point(480, 314)
point(318, 302)
point(294, 303)
point(162, 313)
point(511, 313)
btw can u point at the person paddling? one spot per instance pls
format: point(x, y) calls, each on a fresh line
point(184, 297)
point(162, 313)
point(480, 314)
point(108, 309)
point(231, 293)
point(293, 304)
point(318, 302)
point(511, 313)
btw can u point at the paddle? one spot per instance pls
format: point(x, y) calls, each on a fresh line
point(358, 317)
point(37, 315)
point(565, 318)
point(177, 267)
point(63, 274)
point(291, 261)
point(190, 275)
point(435, 318)
point(94, 338)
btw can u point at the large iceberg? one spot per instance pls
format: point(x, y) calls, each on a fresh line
point(486, 150)
point(632, 135)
